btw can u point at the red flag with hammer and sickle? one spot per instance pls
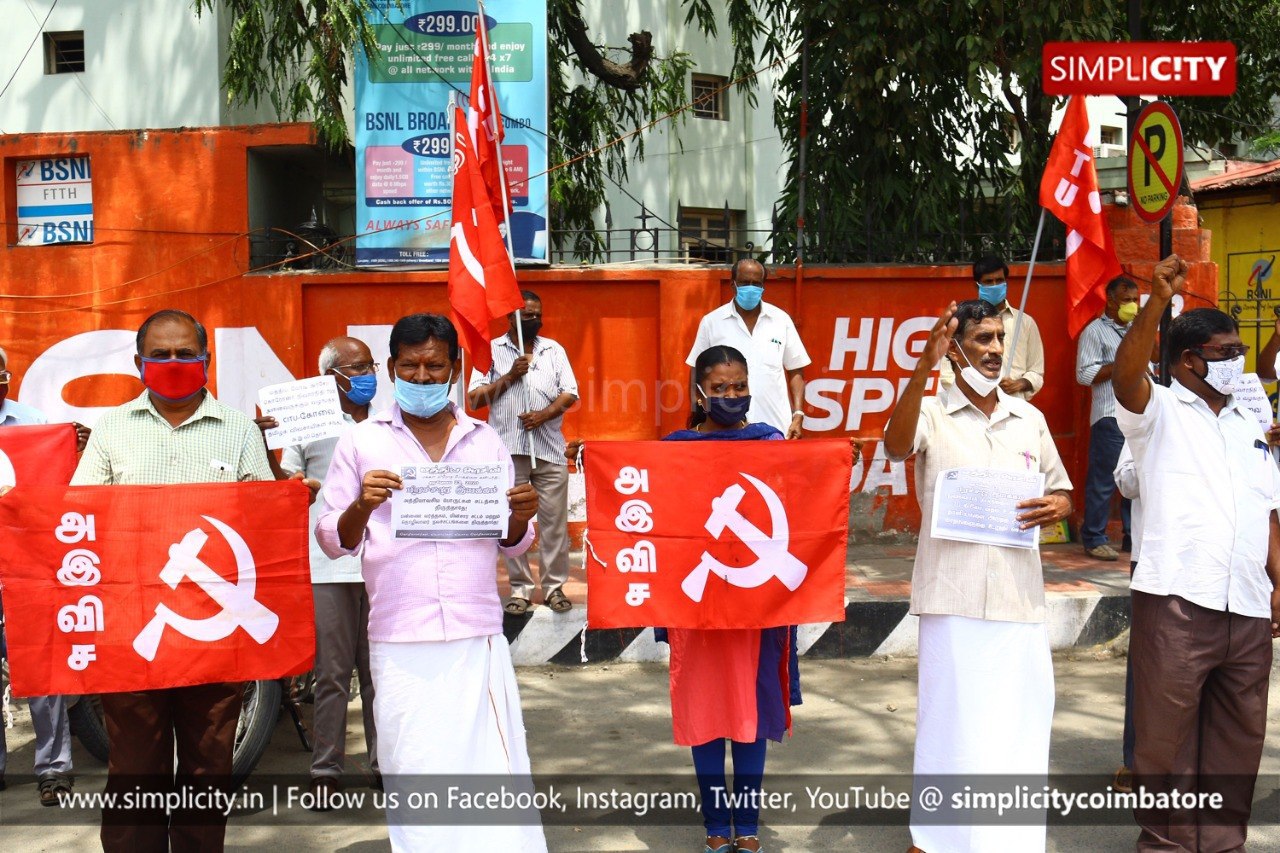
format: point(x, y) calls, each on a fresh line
point(114, 588)
point(716, 534)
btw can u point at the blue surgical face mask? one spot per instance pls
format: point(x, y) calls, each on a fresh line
point(749, 296)
point(993, 294)
point(362, 388)
point(726, 411)
point(422, 401)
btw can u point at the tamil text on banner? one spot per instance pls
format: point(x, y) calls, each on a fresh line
point(716, 534)
point(114, 588)
point(403, 179)
point(37, 455)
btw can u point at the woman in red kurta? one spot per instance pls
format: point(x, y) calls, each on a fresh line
point(734, 684)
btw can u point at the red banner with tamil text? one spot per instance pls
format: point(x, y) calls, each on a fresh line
point(716, 534)
point(114, 588)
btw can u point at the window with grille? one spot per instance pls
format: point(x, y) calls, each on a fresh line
point(708, 97)
point(64, 52)
point(1110, 136)
point(710, 234)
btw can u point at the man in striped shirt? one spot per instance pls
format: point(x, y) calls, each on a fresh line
point(1098, 344)
point(527, 394)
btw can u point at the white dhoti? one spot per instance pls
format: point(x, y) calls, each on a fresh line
point(450, 709)
point(985, 709)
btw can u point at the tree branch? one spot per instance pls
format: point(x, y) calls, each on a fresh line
point(629, 77)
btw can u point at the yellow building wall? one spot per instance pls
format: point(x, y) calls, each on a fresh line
point(1245, 245)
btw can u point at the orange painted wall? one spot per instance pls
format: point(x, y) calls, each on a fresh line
point(171, 214)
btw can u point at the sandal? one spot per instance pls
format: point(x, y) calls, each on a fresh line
point(516, 606)
point(54, 788)
point(727, 847)
point(740, 849)
point(558, 601)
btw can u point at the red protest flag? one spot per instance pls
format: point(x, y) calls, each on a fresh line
point(482, 282)
point(43, 455)
point(485, 121)
point(146, 587)
point(716, 534)
point(1069, 190)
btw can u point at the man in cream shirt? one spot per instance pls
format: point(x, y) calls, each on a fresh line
point(978, 603)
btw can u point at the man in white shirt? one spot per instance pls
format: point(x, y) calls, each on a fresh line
point(1024, 362)
point(765, 334)
point(527, 393)
point(1204, 599)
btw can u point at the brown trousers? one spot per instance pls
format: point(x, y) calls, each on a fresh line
point(143, 729)
point(1200, 710)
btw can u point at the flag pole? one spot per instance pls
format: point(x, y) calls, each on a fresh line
point(452, 118)
point(1026, 291)
point(482, 32)
point(492, 94)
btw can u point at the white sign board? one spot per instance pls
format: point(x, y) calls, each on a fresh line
point(981, 505)
point(307, 410)
point(55, 201)
point(451, 500)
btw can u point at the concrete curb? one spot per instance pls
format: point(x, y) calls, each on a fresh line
point(872, 628)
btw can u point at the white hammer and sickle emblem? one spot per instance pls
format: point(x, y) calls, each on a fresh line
point(240, 609)
point(773, 560)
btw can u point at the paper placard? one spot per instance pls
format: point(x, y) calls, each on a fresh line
point(307, 410)
point(451, 500)
point(980, 505)
point(1250, 394)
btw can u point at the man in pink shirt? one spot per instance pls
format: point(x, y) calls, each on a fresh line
point(446, 699)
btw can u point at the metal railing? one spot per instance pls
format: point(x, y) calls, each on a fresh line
point(316, 247)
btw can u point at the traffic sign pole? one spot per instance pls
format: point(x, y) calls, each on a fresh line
point(1166, 249)
point(1155, 177)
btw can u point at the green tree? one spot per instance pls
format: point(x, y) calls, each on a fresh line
point(915, 108)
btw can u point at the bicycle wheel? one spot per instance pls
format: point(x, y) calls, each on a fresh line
point(88, 725)
point(258, 716)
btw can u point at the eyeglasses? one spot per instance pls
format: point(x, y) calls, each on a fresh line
point(5, 376)
point(364, 368)
point(1221, 353)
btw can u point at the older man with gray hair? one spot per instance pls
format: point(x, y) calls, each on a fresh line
point(341, 603)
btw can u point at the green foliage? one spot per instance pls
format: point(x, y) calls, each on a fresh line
point(294, 53)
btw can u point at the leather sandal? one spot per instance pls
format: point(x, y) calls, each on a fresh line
point(558, 601)
point(516, 606)
point(54, 788)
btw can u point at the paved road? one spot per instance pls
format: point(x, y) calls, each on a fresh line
point(857, 721)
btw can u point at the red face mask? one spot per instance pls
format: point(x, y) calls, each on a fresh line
point(175, 379)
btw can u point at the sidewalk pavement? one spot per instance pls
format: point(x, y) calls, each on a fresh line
point(856, 727)
point(1087, 603)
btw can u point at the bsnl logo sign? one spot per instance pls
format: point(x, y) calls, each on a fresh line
point(55, 201)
